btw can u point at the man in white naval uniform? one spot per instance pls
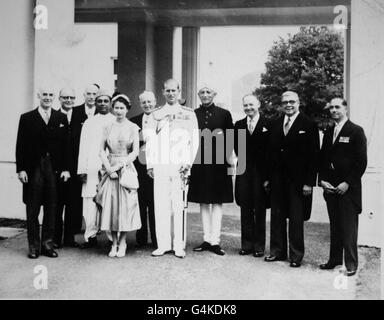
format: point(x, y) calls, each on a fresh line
point(90, 163)
point(172, 142)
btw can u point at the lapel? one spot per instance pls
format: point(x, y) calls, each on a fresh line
point(343, 132)
point(259, 126)
point(295, 125)
point(38, 119)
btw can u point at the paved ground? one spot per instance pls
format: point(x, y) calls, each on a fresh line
point(79, 274)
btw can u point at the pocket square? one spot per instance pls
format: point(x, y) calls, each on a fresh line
point(265, 129)
point(301, 131)
point(61, 125)
point(344, 139)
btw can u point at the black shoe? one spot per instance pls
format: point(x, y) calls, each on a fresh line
point(91, 243)
point(203, 247)
point(295, 264)
point(140, 245)
point(217, 250)
point(329, 265)
point(350, 273)
point(246, 252)
point(71, 244)
point(49, 253)
point(258, 254)
point(33, 254)
point(273, 258)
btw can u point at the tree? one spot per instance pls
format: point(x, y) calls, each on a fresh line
point(310, 63)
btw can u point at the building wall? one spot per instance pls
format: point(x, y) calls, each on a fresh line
point(366, 96)
point(63, 54)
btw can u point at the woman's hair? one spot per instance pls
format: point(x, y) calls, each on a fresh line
point(119, 97)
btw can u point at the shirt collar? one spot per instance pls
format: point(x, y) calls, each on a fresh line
point(43, 112)
point(254, 120)
point(292, 118)
point(341, 123)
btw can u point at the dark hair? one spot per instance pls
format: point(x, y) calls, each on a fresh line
point(124, 101)
point(169, 81)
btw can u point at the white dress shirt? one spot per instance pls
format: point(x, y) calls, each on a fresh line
point(252, 123)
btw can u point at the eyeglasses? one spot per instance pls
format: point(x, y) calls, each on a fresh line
point(102, 101)
point(68, 97)
point(289, 101)
point(335, 106)
point(47, 94)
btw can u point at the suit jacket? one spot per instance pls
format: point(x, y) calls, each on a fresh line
point(140, 160)
point(254, 158)
point(78, 118)
point(35, 139)
point(295, 155)
point(345, 160)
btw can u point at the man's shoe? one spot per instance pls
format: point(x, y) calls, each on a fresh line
point(180, 253)
point(329, 265)
point(295, 264)
point(49, 253)
point(158, 253)
point(258, 254)
point(217, 250)
point(33, 254)
point(350, 273)
point(91, 243)
point(273, 258)
point(203, 247)
point(246, 252)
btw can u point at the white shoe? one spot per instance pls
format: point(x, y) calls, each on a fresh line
point(121, 251)
point(113, 251)
point(158, 253)
point(180, 253)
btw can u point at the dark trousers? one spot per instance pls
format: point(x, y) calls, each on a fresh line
point(147, 211)
point(253, 229)
point(343, 221)
point(41, 190)
point(69, 201)
point(287, 202)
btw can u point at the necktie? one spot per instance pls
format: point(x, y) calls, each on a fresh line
point(335, 133)
point(46, 117)
point(250, 127)
point(287, 126)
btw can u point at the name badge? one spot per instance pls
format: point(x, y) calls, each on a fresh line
point(344, 139)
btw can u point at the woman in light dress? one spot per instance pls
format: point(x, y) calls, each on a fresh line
point(119, 206)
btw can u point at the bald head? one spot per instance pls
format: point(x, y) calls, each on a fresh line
point(290, 102)
point(90, 95)
point(251, 105)
point(46, 95)
point(67, 98)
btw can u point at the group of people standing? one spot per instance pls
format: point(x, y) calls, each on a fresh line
point(78, 157)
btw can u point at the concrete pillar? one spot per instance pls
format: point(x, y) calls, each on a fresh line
point(366, 108)
point(16, 89)
point(190, 53)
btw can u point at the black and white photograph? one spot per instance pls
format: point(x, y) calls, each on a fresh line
point(205, 151)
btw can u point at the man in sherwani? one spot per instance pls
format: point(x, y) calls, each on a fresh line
point(251, 138)
point(145, 191)
point(292, 155)
point(171, 149)
point(343, 162)
point(42, 150)
point(90, 164)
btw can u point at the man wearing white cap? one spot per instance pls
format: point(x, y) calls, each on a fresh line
point(90, 164)
point(211, 181)
point(171, 149)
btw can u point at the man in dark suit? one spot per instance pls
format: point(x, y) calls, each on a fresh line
point(42, 150)
point(67, 190)
point(292, 168)
point(343, 162)
point(251, 137)
point(145, 191)
point(79, 115)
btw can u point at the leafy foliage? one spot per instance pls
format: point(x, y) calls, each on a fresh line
point(310, 63)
